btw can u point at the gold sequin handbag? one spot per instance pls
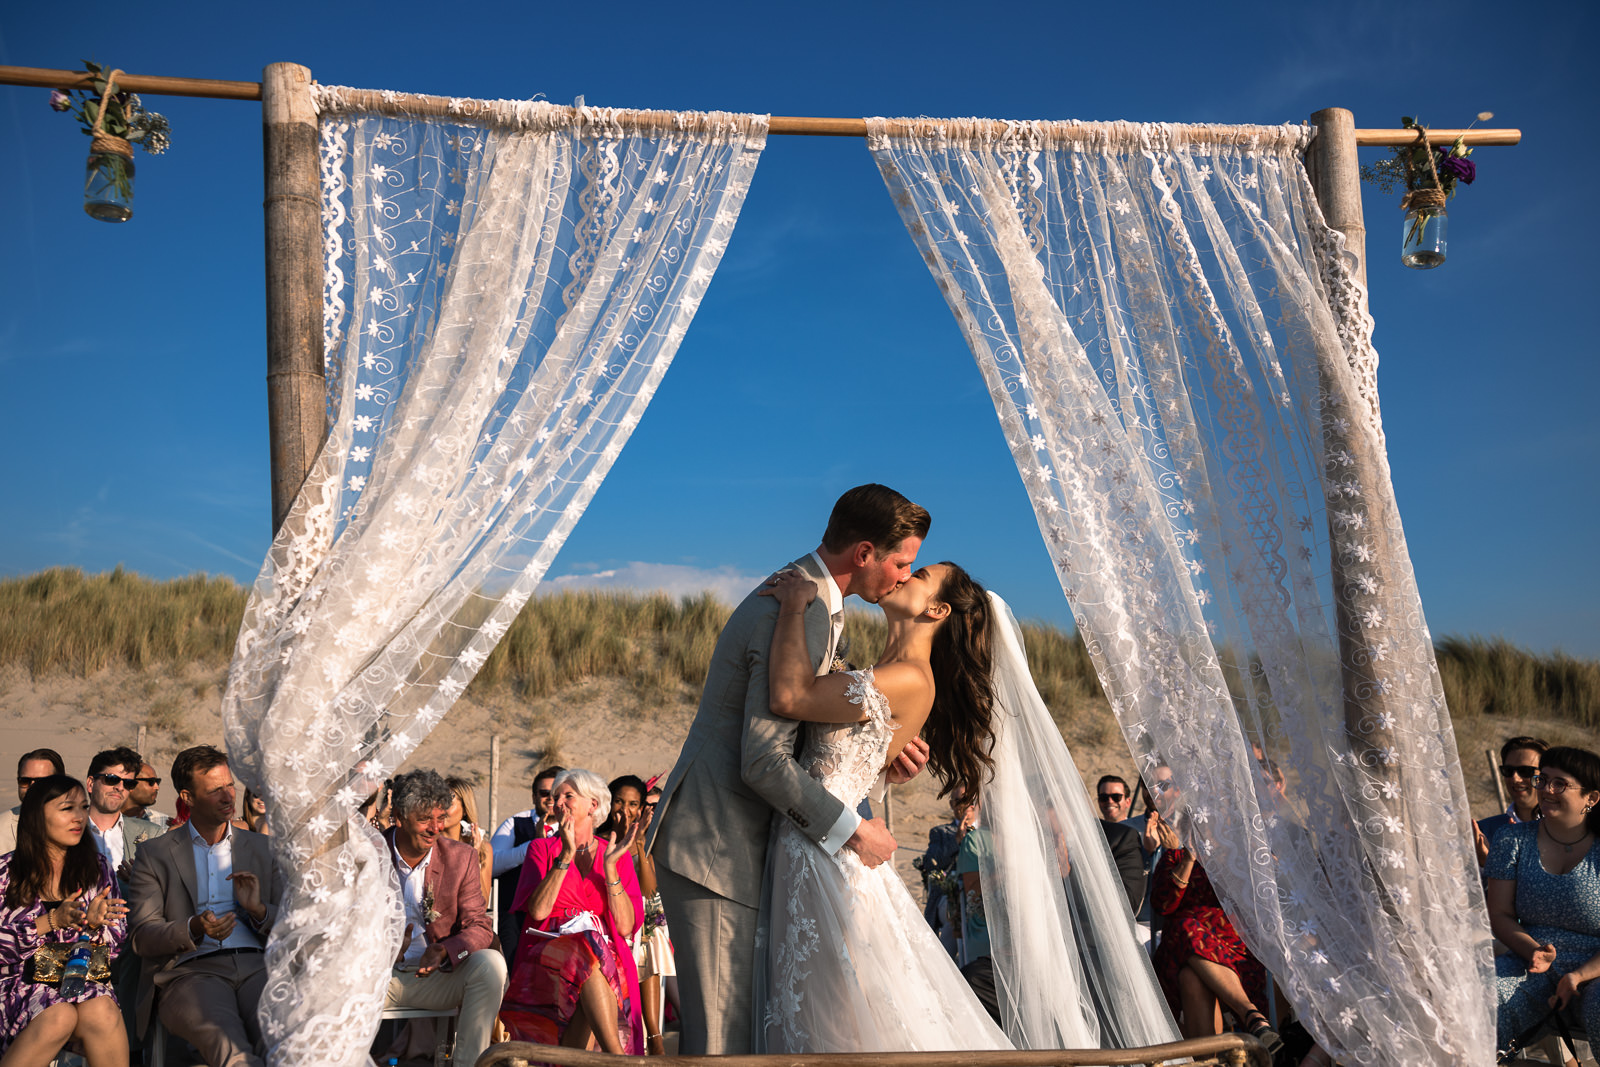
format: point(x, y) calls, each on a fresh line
point(49, 962)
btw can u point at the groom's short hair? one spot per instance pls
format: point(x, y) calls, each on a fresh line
point(877, 514)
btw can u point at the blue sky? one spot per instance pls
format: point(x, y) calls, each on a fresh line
point(132, 358)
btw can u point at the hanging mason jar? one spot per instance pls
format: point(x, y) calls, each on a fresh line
point(1422, 238)
point(108, 182)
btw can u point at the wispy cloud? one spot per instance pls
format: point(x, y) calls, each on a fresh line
point(674, 579)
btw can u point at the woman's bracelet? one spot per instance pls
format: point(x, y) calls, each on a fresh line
point(786, 614)
point(51, 915)
point(1180, 883)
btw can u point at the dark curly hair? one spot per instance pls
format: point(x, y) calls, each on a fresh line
point(30, 863)
point(1583, 765)
point(960, 728)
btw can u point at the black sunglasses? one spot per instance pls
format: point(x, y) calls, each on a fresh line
point(1118, 797)
point(1508, 771)
point(115, 780)
point(149, 781)
point(23, 781)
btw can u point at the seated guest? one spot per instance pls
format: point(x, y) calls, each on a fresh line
point(113, 774)
point(54, 885)
point(510, 844)
point(40, 763)
point(652, 942)
point(1114, 799)
point(202, 899)
point(1201, 961)
point(253, 815)
point(578, 901)
point(445, 958)
point(1544, 898)
point(461, 824)
point(141, 802)
point(1519, 762)
point(938, 865)
point(977, 967)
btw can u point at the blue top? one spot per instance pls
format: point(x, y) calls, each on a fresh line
point(976, 848)
point(1553, 903)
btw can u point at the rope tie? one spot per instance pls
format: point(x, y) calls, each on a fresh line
point(99, 140)
point(1425, 200)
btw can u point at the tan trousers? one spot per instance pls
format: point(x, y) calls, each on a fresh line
point(476, 986)
point(714, 939)
point(211, 1001)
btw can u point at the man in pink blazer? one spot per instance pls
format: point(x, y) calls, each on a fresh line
point(445, 960)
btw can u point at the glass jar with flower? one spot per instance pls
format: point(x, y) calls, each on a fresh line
point(1431, 174)
point(114, 121)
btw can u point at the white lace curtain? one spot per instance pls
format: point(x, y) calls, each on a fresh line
point(502, 300)
point(1182, 367)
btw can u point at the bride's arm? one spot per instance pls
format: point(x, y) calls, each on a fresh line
point(794, 690)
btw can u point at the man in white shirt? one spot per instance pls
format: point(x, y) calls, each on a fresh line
point(40, 763)
point(510, 844)
point(141, 802)
point(201, 901)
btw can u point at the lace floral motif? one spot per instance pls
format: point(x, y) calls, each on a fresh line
point(848, 757)
point(1182, 365)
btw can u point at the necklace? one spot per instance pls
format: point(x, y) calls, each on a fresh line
point(1566, 845)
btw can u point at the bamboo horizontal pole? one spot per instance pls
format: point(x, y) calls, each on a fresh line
point(781, 125)
point(133, 83)
point(1240, 1046)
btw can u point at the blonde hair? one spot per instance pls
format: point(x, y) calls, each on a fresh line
point(465, 792)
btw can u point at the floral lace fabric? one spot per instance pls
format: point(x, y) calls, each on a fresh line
point(1182, 367)
point(502, 300)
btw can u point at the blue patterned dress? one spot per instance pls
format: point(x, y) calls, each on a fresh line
point(1558, 909)
point(21, 1000)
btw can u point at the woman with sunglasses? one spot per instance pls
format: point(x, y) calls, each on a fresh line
point(1544, 898)
point(1519, 762)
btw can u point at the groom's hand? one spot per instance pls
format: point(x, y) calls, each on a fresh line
point(910, 762)
point(873, 842)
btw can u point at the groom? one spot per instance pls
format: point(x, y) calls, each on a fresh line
point(738, 767)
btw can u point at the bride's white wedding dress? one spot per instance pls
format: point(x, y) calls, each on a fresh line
point(845, 961)
point(850, 964)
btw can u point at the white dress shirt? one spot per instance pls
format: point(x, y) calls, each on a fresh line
point(214, 893)
point(848, 820)
point(508, 856)
point(112, 843)
point(413, 888)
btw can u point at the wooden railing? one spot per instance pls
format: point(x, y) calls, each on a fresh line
point(1227, 1050)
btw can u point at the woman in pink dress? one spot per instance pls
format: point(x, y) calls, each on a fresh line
point(578, 901)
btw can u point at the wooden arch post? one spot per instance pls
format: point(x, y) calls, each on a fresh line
point(296, 390)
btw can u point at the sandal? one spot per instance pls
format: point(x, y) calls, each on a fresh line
point(1257, 1026)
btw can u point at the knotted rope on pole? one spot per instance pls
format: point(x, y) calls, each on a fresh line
point(1427, 201)
point(99, 140)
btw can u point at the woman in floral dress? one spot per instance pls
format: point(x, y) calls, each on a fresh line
point(53, 886)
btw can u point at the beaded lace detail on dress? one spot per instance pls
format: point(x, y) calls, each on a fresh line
point(848, 757)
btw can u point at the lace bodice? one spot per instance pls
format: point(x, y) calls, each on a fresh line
point(848, 757)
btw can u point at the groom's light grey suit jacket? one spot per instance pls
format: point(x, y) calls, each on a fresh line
point(737, 765)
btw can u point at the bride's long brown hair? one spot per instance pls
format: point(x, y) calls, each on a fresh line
point(960, 728)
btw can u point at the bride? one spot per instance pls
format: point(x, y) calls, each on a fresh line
point(845, 961)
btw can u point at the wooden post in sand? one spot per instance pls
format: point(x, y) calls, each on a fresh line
point(1494, 776)
point(296, 399)
point(494, 823)
point(139, 744)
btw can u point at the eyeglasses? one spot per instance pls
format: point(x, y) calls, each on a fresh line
point(1115, 798)
point(541, 793)
point(115, 780)
point(1520, 772)
point(1555, 786)
point(1165, 784)
point(23, 781)
point(149, 781)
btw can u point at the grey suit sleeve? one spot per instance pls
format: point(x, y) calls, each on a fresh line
point(768, 763)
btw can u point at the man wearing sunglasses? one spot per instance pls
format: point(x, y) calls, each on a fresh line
point(141, 802)
point(1519, 762)
point(40, 763)
point(510, 845)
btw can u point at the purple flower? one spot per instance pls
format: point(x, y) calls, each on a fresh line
point(1458, 167)
point(60, 100)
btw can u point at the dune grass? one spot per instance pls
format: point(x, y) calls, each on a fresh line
point(62, 621)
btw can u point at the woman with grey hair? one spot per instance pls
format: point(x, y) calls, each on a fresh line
point(578, 901)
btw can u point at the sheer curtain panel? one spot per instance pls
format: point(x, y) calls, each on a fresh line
point(502, 300)
point(1182, 367)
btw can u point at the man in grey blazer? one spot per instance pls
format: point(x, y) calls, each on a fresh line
point(201, 902)
point(738, 767)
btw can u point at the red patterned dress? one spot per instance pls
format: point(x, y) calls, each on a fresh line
point(1194, 925)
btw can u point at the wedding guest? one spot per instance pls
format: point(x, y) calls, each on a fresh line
point(1129, 858)
point(445, 958)
point(1201, 961)
point(1519, 762)
point(461, 824)
point(142, 798)
point(204, 897)
point(938, 865)
point(40, 763)
point(977, 848)
point(253, 815)
point(113, 774)
point(1544, 898)
point(580, 981)
point(510, 844)
point(52, 886)
point(652, 942)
